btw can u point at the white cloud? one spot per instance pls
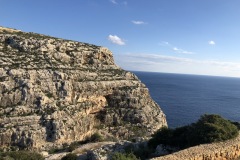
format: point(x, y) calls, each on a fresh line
point(113, 1)
point(178, 50)
point(211, 42)
point(138, 22)
point(116, 40)
point(164, 43)
point(174, 64)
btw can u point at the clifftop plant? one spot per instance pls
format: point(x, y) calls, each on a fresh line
point(208, 129)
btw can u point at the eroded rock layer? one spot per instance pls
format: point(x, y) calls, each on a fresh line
point(55, 91)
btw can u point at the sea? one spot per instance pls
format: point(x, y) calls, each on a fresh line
point(184, 98)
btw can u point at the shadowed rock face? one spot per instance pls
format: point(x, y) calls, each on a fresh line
point(55, 91)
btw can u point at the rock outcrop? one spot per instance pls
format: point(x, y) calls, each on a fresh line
point(55, 91)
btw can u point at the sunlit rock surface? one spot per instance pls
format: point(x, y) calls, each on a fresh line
point(55, 91)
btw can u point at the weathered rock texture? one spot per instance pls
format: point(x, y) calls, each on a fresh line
point(229, 150)
point(55, 91)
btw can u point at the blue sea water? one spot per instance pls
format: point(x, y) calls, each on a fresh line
point(184, 98)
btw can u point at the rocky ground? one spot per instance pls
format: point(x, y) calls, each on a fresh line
point(228, 150)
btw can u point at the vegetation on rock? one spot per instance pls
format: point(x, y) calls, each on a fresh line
point(21, 155)
point(70, 156)
point(96, 137)
point(123, 156)
point(208, 129)
point(141, 150)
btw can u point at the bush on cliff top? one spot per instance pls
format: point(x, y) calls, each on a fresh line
point(208, 129)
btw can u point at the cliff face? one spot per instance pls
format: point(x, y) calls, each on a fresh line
point(55, 91)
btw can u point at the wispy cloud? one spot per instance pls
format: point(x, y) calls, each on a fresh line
point(165, 58)
point(174, 64)
point(149, 62)
point(113, 1)
point(124, 3)
point(164, 43)
point(211, 42)
point(224, 64)
point(178, 50)
point(157, 58)
point(175, 49)
point(116, 40)
point(138, 22)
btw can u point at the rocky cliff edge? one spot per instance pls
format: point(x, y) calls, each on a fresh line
point(55, 91)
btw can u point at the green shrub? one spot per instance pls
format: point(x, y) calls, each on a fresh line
point(208, 129)
point(162, 136)
point(72, 146)
point(55, 150)
point(70, 156)
point(143, 152)
point(96, 137)
point(212, 128)
point(21, 155)
point(123, 156)
point(237, 124)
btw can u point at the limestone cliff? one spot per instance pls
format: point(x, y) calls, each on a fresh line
point(55, 91)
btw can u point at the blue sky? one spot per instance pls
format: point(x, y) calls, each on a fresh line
point(176, 36)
